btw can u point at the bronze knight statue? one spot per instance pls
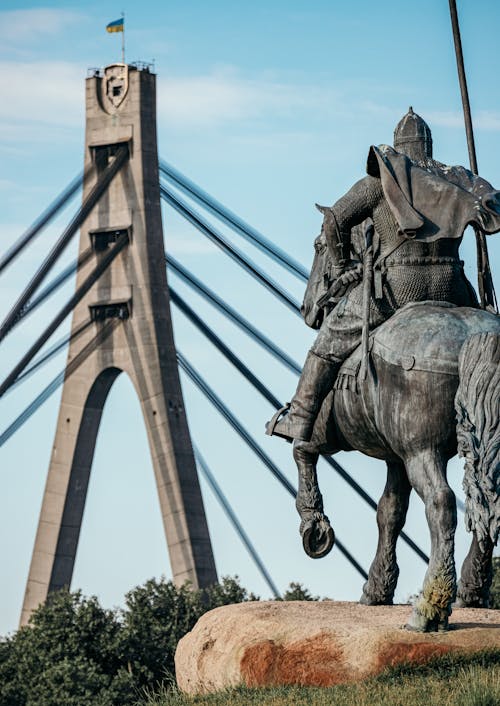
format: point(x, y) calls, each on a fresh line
point(424, 384)
point(416, 261)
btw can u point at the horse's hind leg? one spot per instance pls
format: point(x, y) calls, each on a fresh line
point(477, 574)
point(317, 535)
point(391, 516)
point(427, 474)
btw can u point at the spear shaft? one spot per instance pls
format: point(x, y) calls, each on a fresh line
point(485, 281)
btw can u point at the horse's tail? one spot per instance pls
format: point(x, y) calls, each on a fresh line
point(477, 403)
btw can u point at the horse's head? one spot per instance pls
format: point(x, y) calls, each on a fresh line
point(319, 279)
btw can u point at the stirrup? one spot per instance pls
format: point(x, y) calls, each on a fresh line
point(271, 424)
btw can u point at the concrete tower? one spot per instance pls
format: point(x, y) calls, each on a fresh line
point(121, 110)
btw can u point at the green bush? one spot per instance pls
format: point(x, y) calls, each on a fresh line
point(75, 653)
point(67, 655)
point(298, 592)
point(158, 614)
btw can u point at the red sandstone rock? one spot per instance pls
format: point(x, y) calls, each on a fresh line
point(315, 644)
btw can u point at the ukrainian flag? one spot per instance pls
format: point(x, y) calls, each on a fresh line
point(116, 26)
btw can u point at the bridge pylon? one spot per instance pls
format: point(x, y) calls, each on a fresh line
point(132, 294)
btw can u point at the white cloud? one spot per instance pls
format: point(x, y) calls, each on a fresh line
point(482, 120)
point(37, 95)
point(224, 96)
point(487, 120)
point(22, 26)
point(45, 96)
point(43, 93)
point(52, 93)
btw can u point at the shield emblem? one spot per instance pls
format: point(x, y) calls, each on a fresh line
point(114, 86)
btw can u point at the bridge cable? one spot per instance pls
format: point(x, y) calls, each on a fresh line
point(227, 352)
point(58, 281)
point(204, 227)
point(268, 395)
point(44, 395)
point(280, 355)
point(90, 201)
point(231, 314)
point(44, 219)
point(232, 220)
point(51, 352)
point(231, 515)
point(53, 286)
point(90, 280)
point(231, 419)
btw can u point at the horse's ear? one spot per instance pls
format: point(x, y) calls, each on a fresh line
point(321, 209)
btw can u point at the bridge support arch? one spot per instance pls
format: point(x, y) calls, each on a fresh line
point(120, 108)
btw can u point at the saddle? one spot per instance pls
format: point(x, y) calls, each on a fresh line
point(421, 336)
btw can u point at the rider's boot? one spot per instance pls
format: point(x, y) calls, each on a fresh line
point(296, 420)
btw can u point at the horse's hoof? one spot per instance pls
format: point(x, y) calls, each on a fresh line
point(421, 623)
point(318, 538)
point(366, 600)
point(471, 602)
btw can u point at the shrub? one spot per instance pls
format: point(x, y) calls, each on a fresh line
point(76, 653)
point(65, 657)
point(298, 592)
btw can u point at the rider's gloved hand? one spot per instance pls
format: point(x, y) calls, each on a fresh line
point(344, 278)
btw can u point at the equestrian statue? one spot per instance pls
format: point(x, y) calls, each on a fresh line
point(405, 367)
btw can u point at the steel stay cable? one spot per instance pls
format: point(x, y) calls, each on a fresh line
point(58, 281)
point(224, 502)
point(49, 390)
point(227, 352)
point(231, 313)
point(231, 419)
point(90, 201)
point(222, 306)
point(102, 265)
point(204, 227)
point(234, 221)
point(280, 355)
point(44, 219)
point(268, 395)
point(53, 350)
point(53, 286)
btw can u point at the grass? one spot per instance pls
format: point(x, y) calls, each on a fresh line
point(446, 681)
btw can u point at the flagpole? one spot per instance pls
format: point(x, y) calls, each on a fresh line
point(123, 39)
point(485, 281)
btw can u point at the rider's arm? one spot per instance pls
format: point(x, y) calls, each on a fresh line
point(349, 211)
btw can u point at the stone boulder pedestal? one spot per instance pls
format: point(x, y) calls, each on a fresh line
point(316, 643)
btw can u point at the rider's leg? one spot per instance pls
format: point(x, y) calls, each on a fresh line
point(316, 380)
point(338, 337)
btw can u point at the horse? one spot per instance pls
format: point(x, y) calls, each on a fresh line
point(430, 389)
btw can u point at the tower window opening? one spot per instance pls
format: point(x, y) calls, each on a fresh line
point(110, 310)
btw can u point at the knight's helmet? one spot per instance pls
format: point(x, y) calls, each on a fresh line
point(413, 138)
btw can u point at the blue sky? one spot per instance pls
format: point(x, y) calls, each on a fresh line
point(271, 107)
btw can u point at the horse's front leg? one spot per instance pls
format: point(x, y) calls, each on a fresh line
point(427, 474)
point(477, 575)
point(391, 516)
point(317, 534)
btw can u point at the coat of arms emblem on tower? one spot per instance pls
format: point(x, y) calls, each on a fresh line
point(114, 85)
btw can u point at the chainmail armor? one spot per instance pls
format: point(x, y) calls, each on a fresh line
point(414, 270)
point(411, 270)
